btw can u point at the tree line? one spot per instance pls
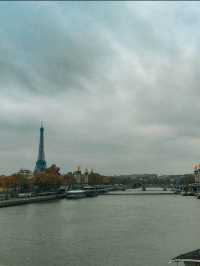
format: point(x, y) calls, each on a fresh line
point(49, 180)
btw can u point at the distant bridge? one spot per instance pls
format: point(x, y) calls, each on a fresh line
point(139, 192)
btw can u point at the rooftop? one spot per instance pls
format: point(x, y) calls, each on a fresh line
point(192, 256)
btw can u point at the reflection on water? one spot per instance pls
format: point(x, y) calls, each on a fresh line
point(107, 230)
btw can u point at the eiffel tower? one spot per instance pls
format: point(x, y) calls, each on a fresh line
point(41, 163)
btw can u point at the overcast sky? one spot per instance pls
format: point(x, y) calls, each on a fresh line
point(117, 85)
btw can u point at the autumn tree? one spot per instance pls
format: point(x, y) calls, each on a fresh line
point(48, 179)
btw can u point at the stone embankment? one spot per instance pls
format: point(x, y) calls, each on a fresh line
point(133, 192)
point(21, 201)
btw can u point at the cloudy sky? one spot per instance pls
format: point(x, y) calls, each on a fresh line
point(117, 85)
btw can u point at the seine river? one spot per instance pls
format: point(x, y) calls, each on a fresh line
point(107, 230)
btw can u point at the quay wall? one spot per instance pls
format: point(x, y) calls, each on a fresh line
point(16, 201)
point(138, 193)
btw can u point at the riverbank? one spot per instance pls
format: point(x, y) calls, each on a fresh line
point(129, 192)
point(138, 193)
point(22, 201)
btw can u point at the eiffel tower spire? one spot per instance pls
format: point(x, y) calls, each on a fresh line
point(41, 163)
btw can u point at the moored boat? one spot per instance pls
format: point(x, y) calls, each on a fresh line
point(90, 191)
point(198, 195)
point(184, 193)
point(101, 189)
point(177, 192)
point(191, 193)
point(75, 194)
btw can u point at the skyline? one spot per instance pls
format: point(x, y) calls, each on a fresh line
point(116, 84)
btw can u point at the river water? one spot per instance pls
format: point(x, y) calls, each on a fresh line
point(103, 231)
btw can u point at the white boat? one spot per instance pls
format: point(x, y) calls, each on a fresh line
point(75, 194)
point(24, 195)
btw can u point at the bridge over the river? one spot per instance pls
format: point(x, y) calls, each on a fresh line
point(138, 192)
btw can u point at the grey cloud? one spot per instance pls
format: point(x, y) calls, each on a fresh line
point(116, 86)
